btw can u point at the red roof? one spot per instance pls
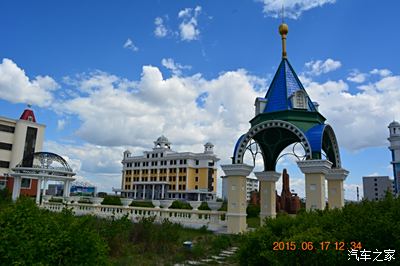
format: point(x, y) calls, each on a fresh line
point(28, 115)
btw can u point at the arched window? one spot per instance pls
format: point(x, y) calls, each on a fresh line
point(299, 100)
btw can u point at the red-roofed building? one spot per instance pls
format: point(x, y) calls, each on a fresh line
point(19, 139)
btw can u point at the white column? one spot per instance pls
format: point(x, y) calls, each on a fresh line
point(162, 191)
point(335, 178)
point(198, 196)
point(39, 185)
point(315, 171)
point(177, 179)
point(135, 191)
point(236, 180)
point(44, 186)
point(267, 193)
point(152, 192)
point(16, 188)
point(144, 191)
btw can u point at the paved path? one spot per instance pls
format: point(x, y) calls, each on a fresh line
point(213, 260)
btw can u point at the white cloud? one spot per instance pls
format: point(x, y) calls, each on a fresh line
point(161, 30)
point(61, 124)
point(188, 29)
point(357, 77)
point(293, 8)
point(130, 45)
point(176, 68)
point(319, 67)
point(359, 119)
point(381, 72)
point(16, 87)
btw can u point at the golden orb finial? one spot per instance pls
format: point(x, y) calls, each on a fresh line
point(283, 31)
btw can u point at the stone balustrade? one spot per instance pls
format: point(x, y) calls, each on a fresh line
point(213, 220)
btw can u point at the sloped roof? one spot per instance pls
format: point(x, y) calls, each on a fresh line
point(28, 113)
point(284, 84)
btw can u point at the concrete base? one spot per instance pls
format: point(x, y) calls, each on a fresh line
point(236, 185)
point(335, 178)
point(267, 194)
point(315, 171)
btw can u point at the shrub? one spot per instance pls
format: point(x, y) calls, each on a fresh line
point(31, 236)
point(111, 200)
point(146, 204)
point(56, 200)
point(252, 210)
point(204, 206)
point(178, 204)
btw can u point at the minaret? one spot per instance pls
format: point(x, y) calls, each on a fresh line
point(394, 147)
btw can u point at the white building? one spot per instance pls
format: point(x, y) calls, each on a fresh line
point(19, 139)
point(375, 187)
point(163, 173)
point(251, 185)
point(394, 147)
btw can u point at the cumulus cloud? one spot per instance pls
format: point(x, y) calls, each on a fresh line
point(359, 118)
point(357, 77)
point(381, 72)
point(16, 87)
point(293, 8)
point(175, 68)
point(188, 29)
point(161, 30)
point(130, 45)
point(319, 67)
point(60, 124)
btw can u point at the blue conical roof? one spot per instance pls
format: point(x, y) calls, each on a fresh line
point(283, 86)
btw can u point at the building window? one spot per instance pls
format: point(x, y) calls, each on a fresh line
point(197, 162)
point(184, 187)
point(26, 183)
point(5, 146)
point(148, 155)
point(376, 184)
point(299, 100)
point(376, 194)
point(375, 179)
point(197, 171)
point(196, 187)
point(376, 189)
point(196, 179)
point(4, 164)
point(8, 129)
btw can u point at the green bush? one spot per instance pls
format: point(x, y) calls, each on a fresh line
point(31, 236)
point(253, 210)
point(178, 204)
point(111, 200)
point(224, 207)
point(374, 224)
point(204, 206)
point(146, 204)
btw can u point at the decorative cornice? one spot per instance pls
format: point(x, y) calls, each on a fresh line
point(268, 176)
point(337, 174)
point(237, 169)
point(314, 166)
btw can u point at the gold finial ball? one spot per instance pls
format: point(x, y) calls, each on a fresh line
point(283, 29)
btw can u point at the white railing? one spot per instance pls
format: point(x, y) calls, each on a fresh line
point(213, 220)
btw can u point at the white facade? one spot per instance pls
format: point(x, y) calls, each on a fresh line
point(13, 138)
point(375, 187)
point(394, 147)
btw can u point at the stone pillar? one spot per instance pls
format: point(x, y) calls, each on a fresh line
point(236, 186)
point(135, 191)
point(152, 192)
point(162, 191)
point(315, 171)
point(65, 188)
point(16, 187)
point(267, 193)
point(144, 191)
point(39, 186)
point(335, 178)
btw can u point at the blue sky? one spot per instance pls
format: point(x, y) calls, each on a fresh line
point(107, 76)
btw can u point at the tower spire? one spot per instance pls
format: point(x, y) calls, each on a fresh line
point(283, 31)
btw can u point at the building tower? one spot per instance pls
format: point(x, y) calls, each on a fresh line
point(394, 147)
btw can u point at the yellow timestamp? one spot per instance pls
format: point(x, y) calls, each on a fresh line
point(309, 245)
